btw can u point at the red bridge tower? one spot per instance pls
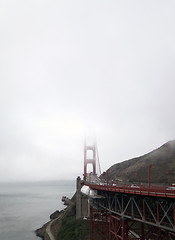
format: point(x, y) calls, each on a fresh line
point(89, 160)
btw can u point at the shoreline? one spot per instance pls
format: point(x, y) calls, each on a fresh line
point(49, 230)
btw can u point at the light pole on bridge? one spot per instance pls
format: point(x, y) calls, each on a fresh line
point(107, 175)
point(168, 172)
point(150, 166)
point(90, 176)
point(137, 177)
point(124, 176)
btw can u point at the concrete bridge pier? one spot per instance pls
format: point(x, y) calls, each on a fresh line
point(82, 206)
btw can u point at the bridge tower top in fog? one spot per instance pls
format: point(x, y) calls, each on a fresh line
point(87, 160)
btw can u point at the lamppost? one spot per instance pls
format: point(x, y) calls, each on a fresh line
point(90, 176)
point(150, 166)
point(124, 175)
point(137, 177)
point(107, 175)
point(168, 172)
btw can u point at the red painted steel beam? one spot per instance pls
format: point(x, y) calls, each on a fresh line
point(99, 227)
point(145, 191)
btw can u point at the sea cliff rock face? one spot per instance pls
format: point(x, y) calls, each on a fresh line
point(41, 232)
point(64, 224)
point(56, 220)
point(55, 225)
point(55, 215)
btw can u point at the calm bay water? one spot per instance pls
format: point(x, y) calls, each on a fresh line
point(24, 207)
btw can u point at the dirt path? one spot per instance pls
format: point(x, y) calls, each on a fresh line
point(48, 229)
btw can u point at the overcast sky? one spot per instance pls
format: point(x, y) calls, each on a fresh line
point(75, 68)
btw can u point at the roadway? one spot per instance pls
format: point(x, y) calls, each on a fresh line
point(155, 191)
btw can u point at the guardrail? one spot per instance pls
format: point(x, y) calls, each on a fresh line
point(156, 191)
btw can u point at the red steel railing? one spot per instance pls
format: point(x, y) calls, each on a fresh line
point(157, 191)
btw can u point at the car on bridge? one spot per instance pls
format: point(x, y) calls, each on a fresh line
point(134, 186)
point(170, 188)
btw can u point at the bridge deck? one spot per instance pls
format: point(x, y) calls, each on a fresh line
point(156, 191)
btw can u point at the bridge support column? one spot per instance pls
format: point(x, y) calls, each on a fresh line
point(118, 228)
point(98, 224)
point(78, 199)
point(82, 205)
point(143, 231)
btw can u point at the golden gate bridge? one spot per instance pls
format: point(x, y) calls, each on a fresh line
point(126, 211)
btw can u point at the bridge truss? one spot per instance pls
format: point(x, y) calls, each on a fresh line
point(123, 213)
point(129, 216)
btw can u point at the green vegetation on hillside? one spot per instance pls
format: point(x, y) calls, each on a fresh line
point(73, 229)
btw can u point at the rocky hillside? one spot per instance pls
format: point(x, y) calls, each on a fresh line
point(64, 225)
point(162, 158)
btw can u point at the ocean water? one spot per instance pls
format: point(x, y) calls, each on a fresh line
point(24, 207)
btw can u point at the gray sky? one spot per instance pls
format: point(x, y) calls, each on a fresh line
point(75, 68)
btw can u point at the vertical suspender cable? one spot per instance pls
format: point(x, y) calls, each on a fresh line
point(98, 159)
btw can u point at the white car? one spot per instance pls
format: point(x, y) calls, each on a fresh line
point(171, 188)
point(134, 186)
